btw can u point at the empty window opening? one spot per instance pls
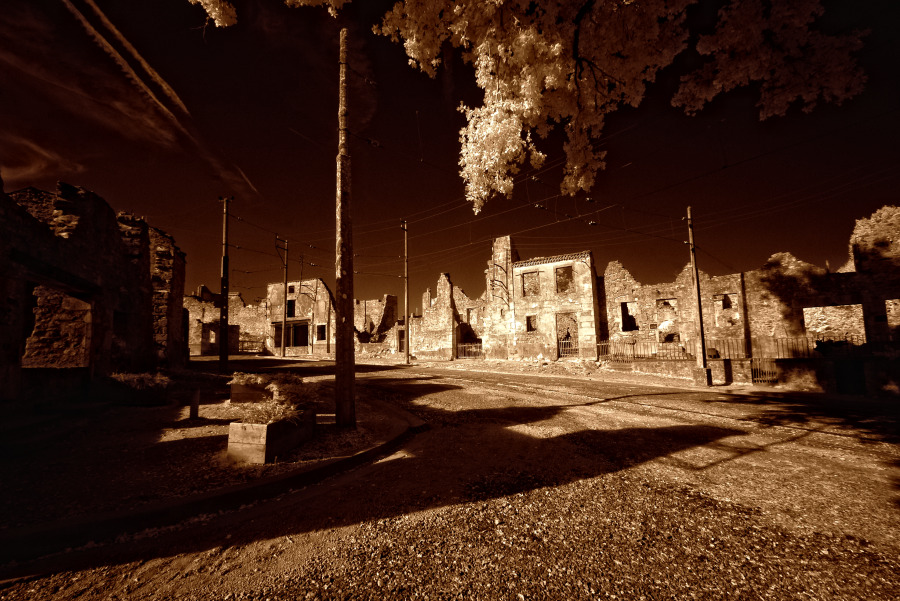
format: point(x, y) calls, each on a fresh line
point(291, 308)
point(62, 330)
point(564, 280)
point(531, 323)
point(629, 322)
point(531, 285)
point(290, 289)
point(320, 332)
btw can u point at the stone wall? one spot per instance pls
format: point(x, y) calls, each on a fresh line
point(313, 317)
point(373, 319)
point(554, 300)
point(167, 270)
point(65, 253)
point(247, 324)
point(62, 334)
point(498, 315)
point(433, 335)
point(470, 316)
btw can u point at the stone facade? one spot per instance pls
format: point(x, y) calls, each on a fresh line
point(309, 318)
point(247, 324)
point(555, 307)
point(78, 288)
point(529, 309)
point(433, 335)
point(374, 319)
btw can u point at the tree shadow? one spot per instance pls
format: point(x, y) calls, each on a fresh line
point(467, 455)
point(862, 357)
point(863, 419)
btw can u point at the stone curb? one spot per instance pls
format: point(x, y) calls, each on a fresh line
point(29, 543)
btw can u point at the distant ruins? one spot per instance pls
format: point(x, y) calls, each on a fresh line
point(85, 292)
point(786, 320)
point(307, 321)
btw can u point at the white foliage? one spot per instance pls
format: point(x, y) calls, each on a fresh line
point(549, 63)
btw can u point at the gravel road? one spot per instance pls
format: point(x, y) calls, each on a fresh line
point(546, 488)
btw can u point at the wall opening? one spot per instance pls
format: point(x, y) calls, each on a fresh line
point(531, 323)
point(564, 280)
point(531, 285)
point(61, 336)
point(300, 334)
point(629, 321)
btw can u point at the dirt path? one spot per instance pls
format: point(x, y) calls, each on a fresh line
point(520, 490)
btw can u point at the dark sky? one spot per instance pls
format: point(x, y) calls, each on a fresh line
point(161, 114)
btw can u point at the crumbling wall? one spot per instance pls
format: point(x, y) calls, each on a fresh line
point(555, 302)
point(838, 322)
point(373, 319)
point(313, 313)
point(247, 324)
point(167, 269)
point(499, 316)
point(102, 263)
point(433, 336)
point(470, 316)
point(77, 285)
point(61, 335)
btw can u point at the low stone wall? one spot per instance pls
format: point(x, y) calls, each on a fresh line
point(724, 371)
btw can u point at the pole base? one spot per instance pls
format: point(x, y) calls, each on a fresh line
point(701, 376)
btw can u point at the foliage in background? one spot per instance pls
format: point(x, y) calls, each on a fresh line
point(146, 381)
point(545, 64)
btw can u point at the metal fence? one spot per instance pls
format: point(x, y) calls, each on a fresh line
point(469, 351)
point(568, 348)
point(251, 346)
point(623, 351)
point(801, 347)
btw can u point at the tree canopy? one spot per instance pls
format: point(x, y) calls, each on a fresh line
point(545, 64)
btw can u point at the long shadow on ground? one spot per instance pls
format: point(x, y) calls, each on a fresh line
point(467, 455)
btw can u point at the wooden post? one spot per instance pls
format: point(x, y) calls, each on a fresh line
point(405, 292)
point(195, 404)
point(344, 359)
point(223, 310)
point(701, 360)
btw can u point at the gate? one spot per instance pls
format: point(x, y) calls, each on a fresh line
point(763, 370)
point(568, 348)
point(469, 351)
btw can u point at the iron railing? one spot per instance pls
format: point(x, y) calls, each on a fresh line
point(472, 350)
point(568, 348)
point(800, 347)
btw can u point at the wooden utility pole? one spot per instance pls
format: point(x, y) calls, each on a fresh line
point(344, 358)
point(284, 292)
point(223, 309)
point(701, 360)
point(405, 291)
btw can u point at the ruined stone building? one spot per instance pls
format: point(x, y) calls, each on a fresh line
point(308, 324)
point(785, 298)
point(375, 321)
point(788, 309)
point(83, 291)
point(540, 307)
point(247, 324)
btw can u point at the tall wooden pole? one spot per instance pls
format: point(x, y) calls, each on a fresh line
point(223, 309)
point(405, 292)
point(284, 293)
point(344, 359)
point(701, 360)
